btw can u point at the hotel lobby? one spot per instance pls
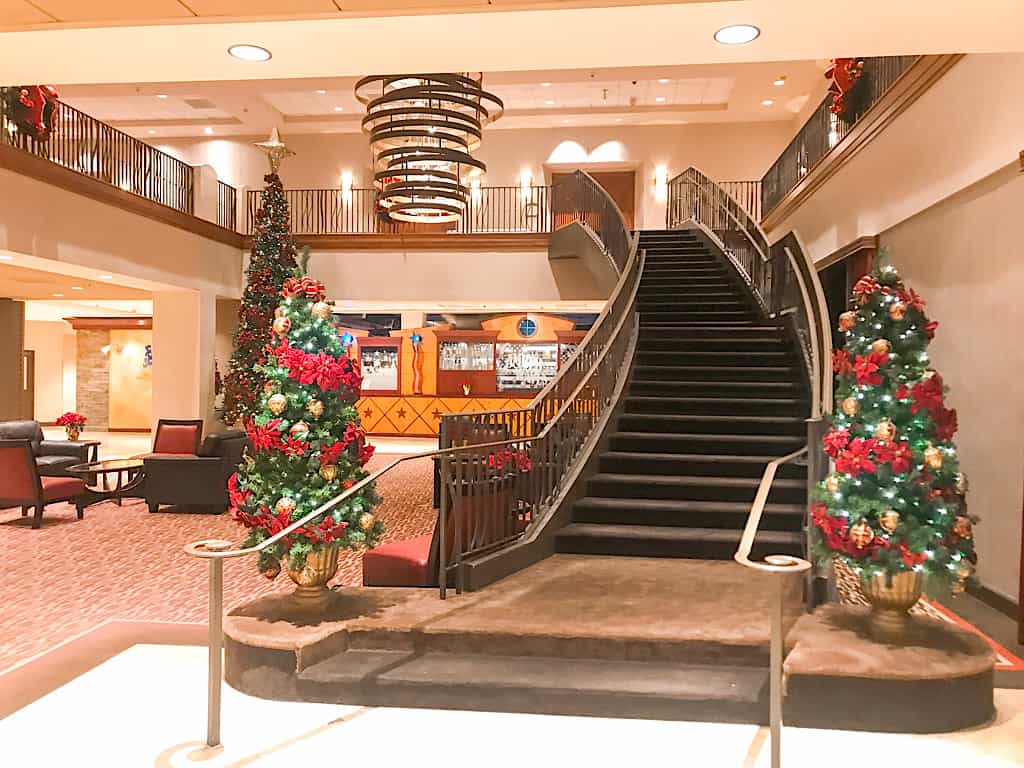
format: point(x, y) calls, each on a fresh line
point(627, 378)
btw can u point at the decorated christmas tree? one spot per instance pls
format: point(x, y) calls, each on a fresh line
point(308, 445)
point(895, 501)
point(271, 263)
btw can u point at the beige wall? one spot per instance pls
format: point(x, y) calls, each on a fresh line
point(726, 151)
point(54, 346)
point(964, 256)
point(131, 382)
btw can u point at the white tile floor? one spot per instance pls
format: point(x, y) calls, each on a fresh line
point(146, 707)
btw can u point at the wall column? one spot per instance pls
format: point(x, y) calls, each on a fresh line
point(12, 342)
point(205, 193)
point(184, 329)
point(413, 320)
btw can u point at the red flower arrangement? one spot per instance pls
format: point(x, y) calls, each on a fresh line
point(307, 287)
point(71, 419)
point(519, 459)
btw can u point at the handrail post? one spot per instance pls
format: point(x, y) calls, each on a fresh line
point(215, 664)
point(775, 683)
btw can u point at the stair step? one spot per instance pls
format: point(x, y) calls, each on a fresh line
point(714, 372)
point(727, 358)
point(685, 514)
point(682, 330)
point(731, 425)
point(739, 405)
point(705, 443)
point(692, 487)
point(709, 464)
point(714, 388)
point(670, 541)
point(655, 690)
point(709, 343)
point(698, 317)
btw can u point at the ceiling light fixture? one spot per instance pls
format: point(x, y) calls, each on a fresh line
point(566, 122)
point(618, 119)
point(208, 130)
point(249, 52)
point(545, 85)
point(321, 91)
point(660, 99)
point(663, 80)
point(106, 277)
point(58, 295)
point(339, 109)
point(767, 102)
point(737, 34)
point(779, 81)
point(549, 102)
point(6, 257)
point(161, 95)
point(77, 288)
point(151, 132)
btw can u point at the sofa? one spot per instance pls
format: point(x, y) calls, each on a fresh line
point(199, 480)
point(52, 457)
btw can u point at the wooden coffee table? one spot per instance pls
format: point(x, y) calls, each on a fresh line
point(110, 479)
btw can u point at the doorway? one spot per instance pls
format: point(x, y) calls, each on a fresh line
point(620, 186)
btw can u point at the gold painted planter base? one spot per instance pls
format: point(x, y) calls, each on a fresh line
point(311, 592)
point(891, 599)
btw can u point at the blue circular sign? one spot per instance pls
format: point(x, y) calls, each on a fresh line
point(527, 327)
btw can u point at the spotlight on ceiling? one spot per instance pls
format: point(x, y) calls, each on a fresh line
point(737, 34)
point(161, 95)
point(779, 81)
point(767, 102)
point(249, 52)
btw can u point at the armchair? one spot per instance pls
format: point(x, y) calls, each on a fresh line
point(22, 485)
point(52, 457)
point(199, 480)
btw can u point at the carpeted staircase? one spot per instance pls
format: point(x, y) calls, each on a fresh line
point(716, 391)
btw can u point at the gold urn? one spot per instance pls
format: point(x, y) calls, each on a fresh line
point(891, 598)
point(311, 592)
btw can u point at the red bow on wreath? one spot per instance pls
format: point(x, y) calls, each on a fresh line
point(311, 289)
point(34, 110)
point(844, 75)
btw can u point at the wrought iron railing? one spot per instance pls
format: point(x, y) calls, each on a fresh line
point(355, 212)
point(580, 199)
point(227, 205)
point(747, 194)
point(99, 151)
point(824, 130)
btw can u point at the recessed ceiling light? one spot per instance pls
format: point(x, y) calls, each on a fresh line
point(208, 130)
point(321, 91)
point(339, 109)
point(549, 102)
point(737, 34)
point(106, 277)
point(566, 122)
point(58, 295)
point(545, 85)
point(767, 102)
point(151, 132)
point(663, 80)
point(5, 257)
point(618, 119)
point(249, 52)
point(779, 81)
point(77, 288)
point(161, 95)
point(660, 99)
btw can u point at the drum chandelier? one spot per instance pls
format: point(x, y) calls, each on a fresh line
point(422, 130)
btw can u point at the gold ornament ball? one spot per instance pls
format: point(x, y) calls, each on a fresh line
point(898, 311)
point(321, 310)
point(933, 457)
point(861, 535)
point(329, 472)
point(281, 325)
point(299, 428)
point(279, 312)
point(832, 484)
point(847, 320)
point(889, 520)
point(315, 408)
point(851, 406)
point(881, 346)
point(269, 387)
point(886, 431)
point(277, 403)
point(366, 521)
point(962, 527)
point(284, 505)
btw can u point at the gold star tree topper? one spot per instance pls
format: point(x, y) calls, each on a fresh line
point(276, 150)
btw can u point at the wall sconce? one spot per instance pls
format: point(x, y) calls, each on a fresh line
point(525, 182)
point(346, 186)
point(474, 191)
point(661, 182)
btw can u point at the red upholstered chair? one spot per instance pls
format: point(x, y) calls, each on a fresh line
point(21, 485)
point(178, 436)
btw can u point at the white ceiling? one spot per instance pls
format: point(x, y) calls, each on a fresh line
point(633, 96)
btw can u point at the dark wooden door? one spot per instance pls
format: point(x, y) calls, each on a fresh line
point(620, 186)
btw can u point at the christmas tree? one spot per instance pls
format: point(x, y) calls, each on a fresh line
point(271, 263)
point(896, 499)
point(308, 445)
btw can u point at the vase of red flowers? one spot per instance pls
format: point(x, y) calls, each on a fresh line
point(72, 423)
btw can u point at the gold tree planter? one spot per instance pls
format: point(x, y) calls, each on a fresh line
point(311, 592)
point(891, 599)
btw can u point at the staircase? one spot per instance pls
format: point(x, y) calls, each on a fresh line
point(715, 392)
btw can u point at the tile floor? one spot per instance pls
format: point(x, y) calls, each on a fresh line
point(146, 707)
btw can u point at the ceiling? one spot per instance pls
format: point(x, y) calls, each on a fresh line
point(539, 99)
point(488, 35)
point(26, 284)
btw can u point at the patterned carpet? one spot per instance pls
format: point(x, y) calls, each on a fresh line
point(125, 563)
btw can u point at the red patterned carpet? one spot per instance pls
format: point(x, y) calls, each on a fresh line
point(125, 563)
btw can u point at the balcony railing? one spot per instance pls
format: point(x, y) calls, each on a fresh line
point(824, 130)
point(747, 194)
point(227, 205)
point(336, 212)
point(94, 149)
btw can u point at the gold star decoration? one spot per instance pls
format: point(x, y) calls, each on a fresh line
point(276, 150)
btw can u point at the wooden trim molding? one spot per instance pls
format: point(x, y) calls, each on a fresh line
point(852, 248)
point(41, 169)
point(515, 241)
point(918, 78)
point(110, 323)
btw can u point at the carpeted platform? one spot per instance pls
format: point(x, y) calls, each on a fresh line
point(125, 563)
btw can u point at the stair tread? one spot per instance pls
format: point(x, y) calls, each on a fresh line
point(686, 505)
point(675, 533)
point(709, 436)
point(743, 458)
point(723, 418)
point(708, 480)
point(714, 399)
